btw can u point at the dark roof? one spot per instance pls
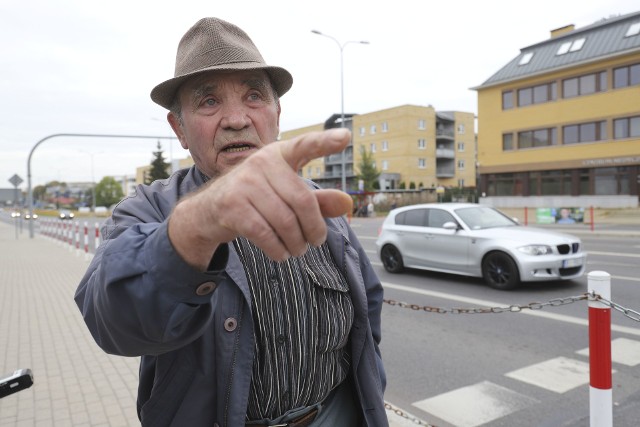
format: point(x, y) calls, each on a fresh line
point(605, 38)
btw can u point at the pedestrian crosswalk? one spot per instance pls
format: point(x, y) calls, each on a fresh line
point(481, 403)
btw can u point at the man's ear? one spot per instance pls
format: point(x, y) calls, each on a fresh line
point(176, 125)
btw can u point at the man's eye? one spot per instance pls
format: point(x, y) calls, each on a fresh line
point(209, 102)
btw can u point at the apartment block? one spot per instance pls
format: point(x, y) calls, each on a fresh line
point(412, 147)
point(560, 123)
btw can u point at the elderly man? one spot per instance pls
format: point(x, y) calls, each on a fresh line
point(241, 286)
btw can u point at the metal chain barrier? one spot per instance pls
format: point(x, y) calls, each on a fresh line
point(556, 302)
point(406, 416)
point(514, 308)
point(631, 314)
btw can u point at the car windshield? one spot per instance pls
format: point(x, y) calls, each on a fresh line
point(480, 217)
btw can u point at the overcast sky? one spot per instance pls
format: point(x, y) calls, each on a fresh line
point(77, 66)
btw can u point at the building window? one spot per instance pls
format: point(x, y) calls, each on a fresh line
point(526, 58)
point(460, 146)
point(461, 183)
point(461, 129)
point(422, 144)
point(461, 164)
point(385, 145)
point(626, 76)
point(422, 124)
point(507, 142)
point(537, 138)
point(362, 130)
point(309, 169)
point(584, 85)
point(525, 97)
point(507, 100)
point(373, 147)
point(373, 129)
point(318, 171)
point(385, 165)
point(422, 163)
point(572, 46)
point(628, 127)
point(385, 127)
point(585, 132)
point(634, 30)
point(537, 94)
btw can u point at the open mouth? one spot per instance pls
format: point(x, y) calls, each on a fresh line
point(237, 148)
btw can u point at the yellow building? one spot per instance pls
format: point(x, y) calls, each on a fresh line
point(413, 146)
point(560, 123)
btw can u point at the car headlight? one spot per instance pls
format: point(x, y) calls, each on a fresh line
point(536, 249)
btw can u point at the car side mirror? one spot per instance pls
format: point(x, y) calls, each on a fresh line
point(450, 225)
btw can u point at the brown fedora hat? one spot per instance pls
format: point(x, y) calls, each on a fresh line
point(214, 44)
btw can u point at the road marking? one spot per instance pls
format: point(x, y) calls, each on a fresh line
point(475, 405)
point(479, 302)
point(616, 254)
point(623, 351)
point(560, 374)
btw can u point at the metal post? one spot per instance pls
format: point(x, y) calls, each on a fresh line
point(342, 122)
point(600, 393)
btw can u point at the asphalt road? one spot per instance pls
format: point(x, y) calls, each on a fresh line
point(507, 369)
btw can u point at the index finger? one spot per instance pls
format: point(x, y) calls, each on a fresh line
point(299, 151)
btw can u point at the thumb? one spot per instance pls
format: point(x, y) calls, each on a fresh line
point(333, 203)
point(299, 151)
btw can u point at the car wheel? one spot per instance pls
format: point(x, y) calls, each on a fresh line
point(500, 271)
point(391, 259)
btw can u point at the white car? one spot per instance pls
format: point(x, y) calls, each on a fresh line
point(479, 241)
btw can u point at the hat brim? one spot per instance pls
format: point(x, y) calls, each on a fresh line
point(164, 93)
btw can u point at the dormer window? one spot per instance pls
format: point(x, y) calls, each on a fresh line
point(571, 46)
point(634, 30)
point(577, 45)
point(526, 58)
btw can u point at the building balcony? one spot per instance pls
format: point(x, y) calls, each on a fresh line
point(445, 153)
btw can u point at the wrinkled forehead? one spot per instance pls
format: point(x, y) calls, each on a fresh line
point(213, 81)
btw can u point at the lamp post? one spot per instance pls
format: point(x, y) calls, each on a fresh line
point(93, 181)
point(341, 46)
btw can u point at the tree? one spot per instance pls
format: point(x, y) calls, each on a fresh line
point(108, 192)
point(367, 169)
point(158, 167)
point(38, 192)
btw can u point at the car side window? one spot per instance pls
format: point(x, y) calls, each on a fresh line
point(437, 218)
point(413, 217)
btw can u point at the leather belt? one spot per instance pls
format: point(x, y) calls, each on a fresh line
point(302, 421)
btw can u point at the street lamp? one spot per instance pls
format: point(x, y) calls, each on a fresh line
point(341, 46)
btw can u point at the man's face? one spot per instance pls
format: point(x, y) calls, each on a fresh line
point(226, 117)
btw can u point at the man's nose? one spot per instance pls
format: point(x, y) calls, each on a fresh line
point(234, 116)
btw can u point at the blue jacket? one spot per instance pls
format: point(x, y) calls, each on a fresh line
point(194, 330)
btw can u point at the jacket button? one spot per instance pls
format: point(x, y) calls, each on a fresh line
point(230, 324)
point(205, 288)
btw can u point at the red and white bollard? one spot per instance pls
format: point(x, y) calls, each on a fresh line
point(96, 241)
point(86, 240)
point(600, 393)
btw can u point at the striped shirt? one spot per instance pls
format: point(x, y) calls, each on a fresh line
point(302, 314)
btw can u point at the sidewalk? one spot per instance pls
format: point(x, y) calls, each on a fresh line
point(75, 382)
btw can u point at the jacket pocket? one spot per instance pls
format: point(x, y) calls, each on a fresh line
point(333, 306)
